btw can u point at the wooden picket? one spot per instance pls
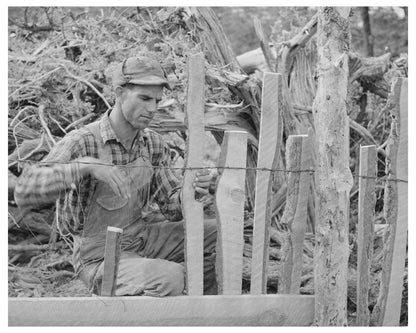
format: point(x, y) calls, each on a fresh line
point(365, 234)
point(229, 200)
point(111, 259)
point(193, 210)
point(387, 310)
point(271, 132)
point(298, 159)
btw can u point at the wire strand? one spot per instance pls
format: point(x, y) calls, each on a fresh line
point(310, 171)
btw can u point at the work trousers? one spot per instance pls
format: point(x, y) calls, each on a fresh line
point(154, 265)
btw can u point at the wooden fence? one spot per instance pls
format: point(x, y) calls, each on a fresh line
point(230, 307)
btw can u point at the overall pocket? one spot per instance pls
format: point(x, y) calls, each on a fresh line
point(111, 201)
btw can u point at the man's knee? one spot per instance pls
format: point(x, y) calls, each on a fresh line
point(169, 278)
point(174, 279)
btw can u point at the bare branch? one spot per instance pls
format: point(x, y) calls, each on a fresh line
point(44, 124)
point(87, 83)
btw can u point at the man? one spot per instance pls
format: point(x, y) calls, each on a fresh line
point(104, 174)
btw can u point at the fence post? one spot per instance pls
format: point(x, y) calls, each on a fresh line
point(366, 217)
point(332, 174)
point(271, 130)
point(230, 198)
point(193, 209)
point(111, 259)
point(298, 157)
point(387, 310)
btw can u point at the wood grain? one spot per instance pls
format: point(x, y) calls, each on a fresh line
point(298, 157)
point(193, 209)
point(268, 154)
point(365, 237)
point(230, 197)
point(387, 310)
point(111, 260)
point(241, 310)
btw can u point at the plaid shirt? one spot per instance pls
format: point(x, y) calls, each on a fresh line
point(55, 178)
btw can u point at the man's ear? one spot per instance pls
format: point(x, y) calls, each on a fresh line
point(119, 91)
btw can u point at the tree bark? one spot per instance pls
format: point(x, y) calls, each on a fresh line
point(332, 176)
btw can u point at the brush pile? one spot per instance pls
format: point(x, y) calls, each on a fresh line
point(60, 65)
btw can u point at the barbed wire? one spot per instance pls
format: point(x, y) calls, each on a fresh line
point(310, 171)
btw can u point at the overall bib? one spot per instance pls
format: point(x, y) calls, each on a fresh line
point(152, 255)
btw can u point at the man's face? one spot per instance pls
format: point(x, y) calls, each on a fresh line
point(139, 104)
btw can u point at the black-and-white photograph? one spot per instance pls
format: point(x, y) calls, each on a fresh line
point(208, 166)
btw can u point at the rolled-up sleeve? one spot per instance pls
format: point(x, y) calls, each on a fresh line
point(42, 183)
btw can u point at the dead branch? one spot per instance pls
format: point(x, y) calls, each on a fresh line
point(33, 28)
point(363, 132)
point(15, 136)
point(11, 124)
point(59, 275)
point(86, 82)
point(11, 184)
point(369, 72)
point(28, 149)
point(367, 68)
point(44, 124)
point(264, 45)
point(23, 132)
point(34, 247)
point(60, 264)
point(33, 81)
point(292, 46)
point(80, 121)
point(58, 124)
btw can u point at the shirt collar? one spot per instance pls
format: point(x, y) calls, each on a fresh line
point(107, 131)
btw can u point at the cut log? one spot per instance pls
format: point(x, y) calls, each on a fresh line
point(253, 60)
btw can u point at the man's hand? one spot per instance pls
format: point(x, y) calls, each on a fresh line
point(202, 182)
point(109, 174)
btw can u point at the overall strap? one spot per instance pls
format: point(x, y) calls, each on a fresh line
point(103, 154)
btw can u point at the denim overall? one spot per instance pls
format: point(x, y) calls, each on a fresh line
point(152, 256)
